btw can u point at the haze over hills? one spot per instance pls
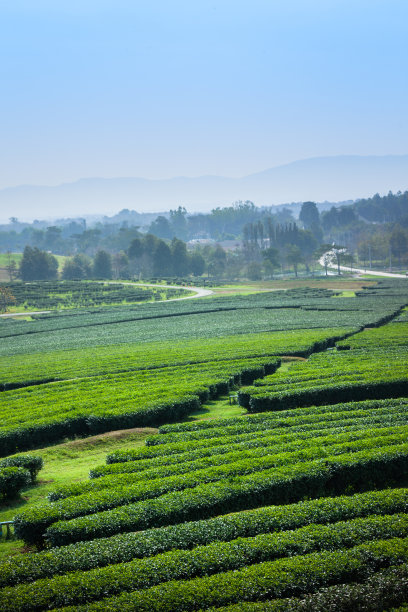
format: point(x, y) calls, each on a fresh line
point(335, 178)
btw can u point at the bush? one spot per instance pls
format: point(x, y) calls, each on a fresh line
point(31, 463)
point(12, 480)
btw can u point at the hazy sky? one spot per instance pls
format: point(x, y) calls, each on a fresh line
point(167, 88)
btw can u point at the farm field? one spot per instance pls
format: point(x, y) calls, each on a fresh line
point(293, 499)
point(49, 295)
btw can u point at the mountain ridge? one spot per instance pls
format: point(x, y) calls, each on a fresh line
point(331, 178)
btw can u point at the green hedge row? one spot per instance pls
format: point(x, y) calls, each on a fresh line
point(289, 420)
point(345, 392)
point(249, 523)
point(142, 398)
point(322, 416)
point(281, 578)
point(27, 437)
point(300, 449)
point(360, 470)
point(253, 440)
point(82, 587)
point(381, 591)
point(267, 418)
point(38, 518)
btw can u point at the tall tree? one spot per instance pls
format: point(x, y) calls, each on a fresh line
point(197, 263)
point(294, 257)
point(37, 265)
point(162, 260)
point(398, 242)
point(179, 223)
point(309, 215)
point(271, 259)
point(180, 257)
point(77, 268)
point(102, 265)
point(161, 228)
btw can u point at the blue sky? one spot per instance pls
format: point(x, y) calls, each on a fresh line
point(168, 88)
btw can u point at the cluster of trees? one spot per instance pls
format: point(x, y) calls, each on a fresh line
point(374, 229)
point(147, 257)
point(150, 256)
point(268, 246)
point(221, 224)
point(114, 234)
point(37, 265)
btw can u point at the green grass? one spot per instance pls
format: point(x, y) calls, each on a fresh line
point(224, 407)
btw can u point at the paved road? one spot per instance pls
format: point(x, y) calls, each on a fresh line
point(199, 292)
point(25, 314)
point(372, 272)
point(333, 266)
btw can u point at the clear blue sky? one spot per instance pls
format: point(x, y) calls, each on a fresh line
point(167, 88)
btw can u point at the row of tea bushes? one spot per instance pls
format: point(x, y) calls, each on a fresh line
point(270, 579)
point(358, 470)
point(37, 519)
point(321, 416)
point(381, 591)
point(83, 587)
point(46, 413)
point(359, 374)
point(213, 450)
point(249, 523)
point(106, 493)
point(22, 370)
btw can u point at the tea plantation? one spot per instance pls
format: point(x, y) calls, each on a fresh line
point(297, 502)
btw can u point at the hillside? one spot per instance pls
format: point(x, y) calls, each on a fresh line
point(256, 444)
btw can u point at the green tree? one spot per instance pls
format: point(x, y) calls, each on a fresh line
point(218, 260)
point(11, 267)
point(102, 265)
point(120, 264)
point(135, 250)
point(162, 260)
point(254, 271)
point(180, 257)
point(6, 298)
point(161, 228)
point(398, 243)
point(178, 223)
point(271, 259)
point(294, 256)
point(77, 268)
point(309, 215)
point(197, 263)
point(37, 265)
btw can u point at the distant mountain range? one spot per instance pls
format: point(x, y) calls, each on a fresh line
point(346, 177)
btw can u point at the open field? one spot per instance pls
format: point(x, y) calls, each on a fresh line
point(296, 499)
point(321, 282)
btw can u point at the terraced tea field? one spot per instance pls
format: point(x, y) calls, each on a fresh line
point(300, 503)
